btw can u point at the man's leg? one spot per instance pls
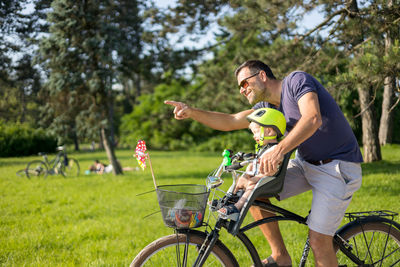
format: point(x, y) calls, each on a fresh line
point(333, 185)
point(273, 235)
point(322, 247)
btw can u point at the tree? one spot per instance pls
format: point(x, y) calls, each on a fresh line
point(347, 26)
point(19, 79)
point(91, 43)
point(364, 35)
point(386, 122)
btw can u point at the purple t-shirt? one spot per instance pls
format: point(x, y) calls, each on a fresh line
point(335, 138)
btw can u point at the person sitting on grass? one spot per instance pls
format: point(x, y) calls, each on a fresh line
point(268, 126)
point(101, 168)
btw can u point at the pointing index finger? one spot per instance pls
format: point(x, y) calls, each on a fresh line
point(172, 103)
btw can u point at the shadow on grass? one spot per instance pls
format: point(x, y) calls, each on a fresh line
point(380, 189)
point(383, 166)
point(384, 179)
point(12, 163)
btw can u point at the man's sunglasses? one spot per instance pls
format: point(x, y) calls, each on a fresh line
point(244, 83)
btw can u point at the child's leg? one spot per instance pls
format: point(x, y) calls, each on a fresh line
point(245, 197)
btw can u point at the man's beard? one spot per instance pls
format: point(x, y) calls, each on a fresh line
point(259, 96)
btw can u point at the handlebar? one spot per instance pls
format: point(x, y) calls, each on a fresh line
point(237, 166)
point(242, 159)
point(240, 156)
point(231, 163)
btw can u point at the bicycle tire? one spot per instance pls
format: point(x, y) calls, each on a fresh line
point(36, 168)
point(376, 243)
point(164, 252)
point(72, 169)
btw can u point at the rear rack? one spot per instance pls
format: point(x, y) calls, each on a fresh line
point(377, 213)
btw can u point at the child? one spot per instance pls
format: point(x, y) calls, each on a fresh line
point(268, 126)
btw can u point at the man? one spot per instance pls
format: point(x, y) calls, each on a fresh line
point(327, 160)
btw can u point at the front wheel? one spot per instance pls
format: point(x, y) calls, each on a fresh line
point(172, 251)
point(36, 168)
point(71, 168)
point(374, 243)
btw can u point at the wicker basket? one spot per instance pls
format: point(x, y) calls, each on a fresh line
point(182, 206)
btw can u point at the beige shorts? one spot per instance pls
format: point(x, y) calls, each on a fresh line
point(332, 185)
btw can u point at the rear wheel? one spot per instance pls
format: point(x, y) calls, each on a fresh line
point(71, 169)
point(36, 168)
point(172, 251)
point(375, 243)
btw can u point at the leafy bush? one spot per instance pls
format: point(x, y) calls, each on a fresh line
point(237, 141)
point(153, 121)
point(21, 140)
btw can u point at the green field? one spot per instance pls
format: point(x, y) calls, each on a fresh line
point(97, 220)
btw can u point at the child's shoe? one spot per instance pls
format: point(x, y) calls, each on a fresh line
point(229, 212)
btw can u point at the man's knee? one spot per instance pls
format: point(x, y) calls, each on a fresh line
point(320, 241)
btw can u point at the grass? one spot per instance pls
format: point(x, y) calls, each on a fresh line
point(97, 220)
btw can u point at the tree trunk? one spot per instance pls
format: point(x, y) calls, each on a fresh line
point(372, 150)
point(386, 123)
point(101, 143)
point(109, 147)
point(76, 141)
point(111, 118)
point(110, 107)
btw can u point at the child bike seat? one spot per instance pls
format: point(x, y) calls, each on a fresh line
point(268, 186)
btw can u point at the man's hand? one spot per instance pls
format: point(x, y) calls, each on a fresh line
point(181, 110)
point(269, 162)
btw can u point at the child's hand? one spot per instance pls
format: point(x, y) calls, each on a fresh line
point(241, 184)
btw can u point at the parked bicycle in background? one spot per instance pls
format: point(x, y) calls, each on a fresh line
point(61, 164)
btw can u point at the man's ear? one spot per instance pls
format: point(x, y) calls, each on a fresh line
point(264, 77)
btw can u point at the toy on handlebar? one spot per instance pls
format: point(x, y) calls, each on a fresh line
point(227, 157)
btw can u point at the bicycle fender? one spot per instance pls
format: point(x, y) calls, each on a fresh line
point(365, 220)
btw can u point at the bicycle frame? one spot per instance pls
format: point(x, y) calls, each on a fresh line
point(213, 236)
point(52, 164)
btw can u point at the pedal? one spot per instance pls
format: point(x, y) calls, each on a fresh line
point(232, 217)
point(215, 204)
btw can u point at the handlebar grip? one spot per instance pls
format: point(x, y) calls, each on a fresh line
point(235, 166)
point(249, 156)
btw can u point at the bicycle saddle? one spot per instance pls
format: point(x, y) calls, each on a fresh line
point(266, 187)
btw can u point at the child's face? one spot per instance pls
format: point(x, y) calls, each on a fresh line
point(255, 129)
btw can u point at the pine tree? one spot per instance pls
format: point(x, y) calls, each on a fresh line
point(90, 44)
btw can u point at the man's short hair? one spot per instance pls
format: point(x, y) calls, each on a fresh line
point(254, 66)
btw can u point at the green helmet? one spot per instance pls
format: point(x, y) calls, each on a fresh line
point(269, 117)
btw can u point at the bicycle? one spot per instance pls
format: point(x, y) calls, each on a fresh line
point(61, 164)
point(371, 238)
